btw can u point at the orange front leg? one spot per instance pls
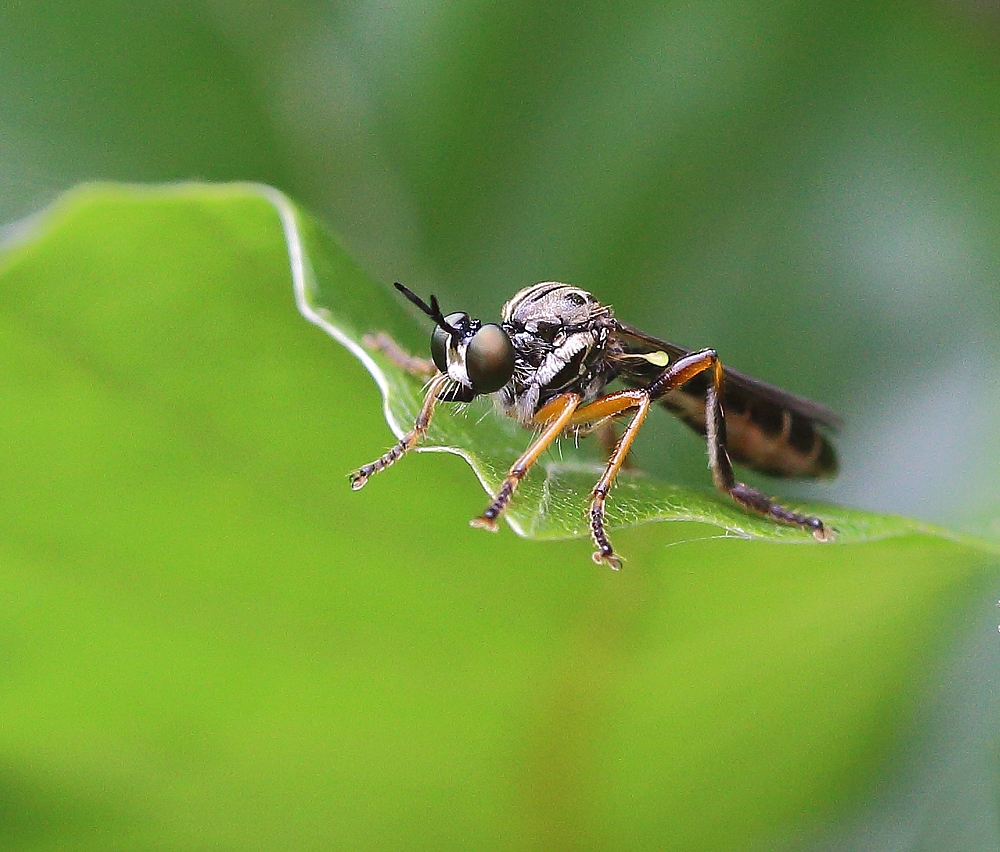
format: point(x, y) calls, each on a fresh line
point(409, 440)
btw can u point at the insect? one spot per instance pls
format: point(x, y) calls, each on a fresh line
point(548, 364)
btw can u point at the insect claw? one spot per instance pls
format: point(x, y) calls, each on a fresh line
point(484, 523)
point(358, 481)
point(612, 560)
point(824, 533)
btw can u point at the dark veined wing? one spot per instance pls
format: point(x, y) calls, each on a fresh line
point(768, 429)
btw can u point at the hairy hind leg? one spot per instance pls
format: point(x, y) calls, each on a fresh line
point(683, 370)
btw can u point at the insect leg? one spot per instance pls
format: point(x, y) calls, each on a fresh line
point(382, 342)
point(608, 406)
point(750, 498)
point(608, 438)
point(556, 415)
point(409, 440)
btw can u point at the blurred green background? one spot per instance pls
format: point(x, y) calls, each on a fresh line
point(813, 189)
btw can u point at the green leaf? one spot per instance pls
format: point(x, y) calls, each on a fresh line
point(207, 640)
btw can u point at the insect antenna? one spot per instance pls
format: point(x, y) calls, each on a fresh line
point(433, 310)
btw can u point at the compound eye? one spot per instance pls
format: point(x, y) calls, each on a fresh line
point(489, 359)
point(440, 339)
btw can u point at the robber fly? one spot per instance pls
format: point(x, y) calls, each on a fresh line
point(547, 365)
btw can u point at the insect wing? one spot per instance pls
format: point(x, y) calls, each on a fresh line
point(768, 429)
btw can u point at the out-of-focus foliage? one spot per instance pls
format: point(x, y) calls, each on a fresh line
point(813, 189)
point(210, 641)
point(207, 640)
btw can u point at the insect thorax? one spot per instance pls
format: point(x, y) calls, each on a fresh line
point(559, 335)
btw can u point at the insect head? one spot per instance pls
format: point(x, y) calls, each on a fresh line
point(479, 356)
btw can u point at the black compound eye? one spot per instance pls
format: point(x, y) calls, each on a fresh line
point(489, 359)
point(440, 339)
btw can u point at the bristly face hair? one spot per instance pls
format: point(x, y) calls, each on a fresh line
point(548, 365)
